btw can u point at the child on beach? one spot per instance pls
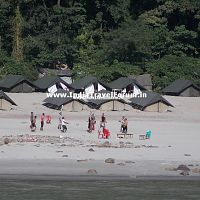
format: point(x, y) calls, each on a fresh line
point(125, 126)
point(103, 121)
point(89, 125)
point(122, 123)
point(64, 123)
point(31, 119)
point(33, 127)
point(42, 121)
point(91, 122)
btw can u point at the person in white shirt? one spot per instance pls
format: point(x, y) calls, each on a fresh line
point(64, 127)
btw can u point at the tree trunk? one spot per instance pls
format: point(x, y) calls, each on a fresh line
point(47, 13)
point(58, 3)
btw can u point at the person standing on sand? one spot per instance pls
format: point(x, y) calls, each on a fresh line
point(90, 123)
point(125, 126)
point(34, 124)
point(31, 119)
point(64, 125)
point(122, 123)
point(42, 121)
point(93, 122)
point(103, 121)
point(60, 120)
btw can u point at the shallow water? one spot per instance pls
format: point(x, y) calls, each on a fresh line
point(99, 190)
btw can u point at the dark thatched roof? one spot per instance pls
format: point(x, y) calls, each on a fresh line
point(57, 102)
point(83, 83)
point(144, 80)
point(151, 98)
point(96, 103)
point(179, 86)
point(6, 97)
point(47, 81)
point(11, 81)
point(123, 82)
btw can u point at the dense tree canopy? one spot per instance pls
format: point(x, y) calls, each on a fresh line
point(104, 38)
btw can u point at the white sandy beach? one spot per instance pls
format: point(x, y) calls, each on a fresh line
point(175, 140)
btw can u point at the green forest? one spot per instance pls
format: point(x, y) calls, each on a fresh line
point(107, 39)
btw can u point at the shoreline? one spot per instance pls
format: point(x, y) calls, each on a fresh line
point(88, 178)
point(73, 170)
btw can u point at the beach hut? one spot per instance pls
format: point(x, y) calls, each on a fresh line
point(88, 84)
point(5, 101)
point(126, 84)
point(108, 104)
point(153, 102)
point(16, 84)
point(51, 84)
point(185, 88)
point(65, 102)
point(145, 81)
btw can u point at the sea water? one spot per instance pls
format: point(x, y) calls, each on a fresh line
point(99, 190)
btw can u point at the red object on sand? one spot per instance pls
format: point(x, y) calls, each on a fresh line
point(48, 119)
point(106, 133)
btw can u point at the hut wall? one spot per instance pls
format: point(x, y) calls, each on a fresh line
point(86, 107)
point(156, 107)
point(73, 106)
point(77, 106)
point(68, 107)
point(27, 88)
point(190, 92)
point(107, 106)
point(162, 107)
point(5, 105)
point(22, 88)
point(119, 106)
point(113, 105)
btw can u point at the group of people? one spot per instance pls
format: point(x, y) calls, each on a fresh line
point(33, 120)
point(91, 123)
point(102, 126)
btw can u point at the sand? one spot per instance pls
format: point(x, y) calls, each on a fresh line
point(175, 140)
